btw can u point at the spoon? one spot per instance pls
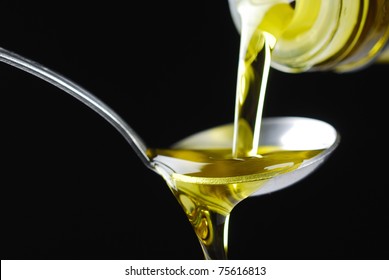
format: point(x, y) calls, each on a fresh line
point(292, 133)
point(287, 133)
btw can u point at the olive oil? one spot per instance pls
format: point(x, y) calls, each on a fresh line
point(260, 26)
point(217, 180)
point(209, 183)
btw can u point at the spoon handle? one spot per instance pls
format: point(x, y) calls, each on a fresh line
point(82, 95)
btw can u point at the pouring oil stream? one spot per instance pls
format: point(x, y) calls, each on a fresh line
point(260, 26)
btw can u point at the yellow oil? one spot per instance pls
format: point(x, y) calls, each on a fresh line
point(293, 36)
point(261, 26)
point(211, 182)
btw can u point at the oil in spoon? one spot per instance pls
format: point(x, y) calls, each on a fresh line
point(209, 183)
point(261, 23)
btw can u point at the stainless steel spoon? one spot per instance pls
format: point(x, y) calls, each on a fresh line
point(288, 132)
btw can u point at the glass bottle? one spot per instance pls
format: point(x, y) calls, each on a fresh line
point(322, 35)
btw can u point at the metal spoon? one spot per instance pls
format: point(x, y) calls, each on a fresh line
point(292, 133)
point(289, 133)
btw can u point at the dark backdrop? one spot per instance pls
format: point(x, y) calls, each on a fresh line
point(72, 188)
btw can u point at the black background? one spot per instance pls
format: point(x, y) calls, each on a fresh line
point(72, 188)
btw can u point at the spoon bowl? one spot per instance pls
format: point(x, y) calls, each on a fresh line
point(289, 133)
